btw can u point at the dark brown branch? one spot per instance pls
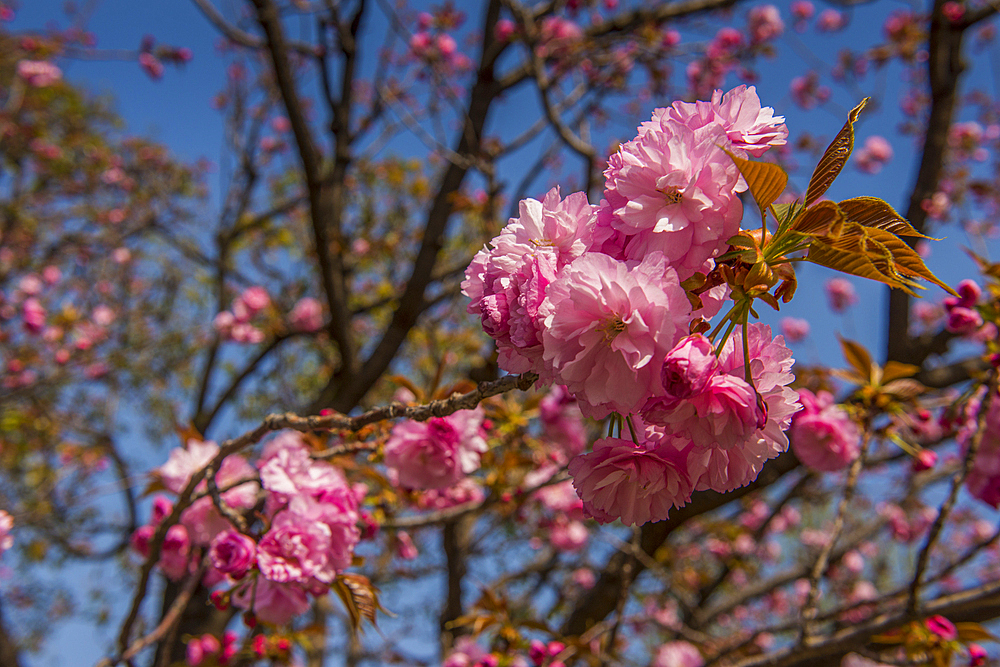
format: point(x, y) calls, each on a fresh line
point(235, 34)
point(325, 194)
point(481, 97)
point(945, 67)
point(9, 653)
point(167, 623)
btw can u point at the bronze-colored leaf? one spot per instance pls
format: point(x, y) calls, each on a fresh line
point(825, 218)
point(849, 376)
point(906, 259)
point(874, 212)
point(188, 432)
point(360, 598)
point(895, 370)
point(835, 157)
point(766, 180)
point(858, 257)
point(155, 485)
point(858, 357)
point(973, 632)
point(904, 388)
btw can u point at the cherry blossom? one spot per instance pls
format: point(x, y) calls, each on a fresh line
point(606, 322)
point(437, 453)
point(824, 436)
point(620, 479)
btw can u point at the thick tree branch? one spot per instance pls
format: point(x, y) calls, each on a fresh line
point(325, 193)
point(944, 67)
point(481, 97)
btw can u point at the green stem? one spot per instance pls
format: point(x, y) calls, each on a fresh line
point(631, 429)
point(718, 349)
point(746, 354)
point(728, 317)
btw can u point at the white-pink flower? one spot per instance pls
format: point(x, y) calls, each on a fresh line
point(296, 549)
point(38, 73)
point(607, 323)
point(184, 462)
point(437, 453)
point(272, 602)
point(202, 519)
point(286, 469)
point(678, 654)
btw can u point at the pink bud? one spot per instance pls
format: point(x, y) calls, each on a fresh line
point(924, 460)
point(942, 627)
point(688, 367)
point(446, 44)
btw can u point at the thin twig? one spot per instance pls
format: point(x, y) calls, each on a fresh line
point(949, 502)
point(810, 610)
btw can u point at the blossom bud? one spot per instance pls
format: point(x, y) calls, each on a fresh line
point(233, 553)
point(689, 367)
point(942, 627)
point(924, 460)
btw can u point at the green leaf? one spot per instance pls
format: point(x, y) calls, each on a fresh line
point(834, 158)
point(742, 241)
point(785, 213)
point(874, 212)
point(766, 180)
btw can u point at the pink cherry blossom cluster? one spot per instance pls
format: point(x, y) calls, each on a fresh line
point(963, 318)
point(235, 324)
point(841, 294)
point(875, 153)
point(590, 298)
point(58, 339)
point(983, 480)
point(208, 648)
point(309, 535)
point(306, 315)
point(825, 437)
point(38, 73)
point(437, 453)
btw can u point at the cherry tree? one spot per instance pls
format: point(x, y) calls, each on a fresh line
point(475, 347)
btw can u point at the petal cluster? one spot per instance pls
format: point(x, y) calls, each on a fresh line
point(593, 299)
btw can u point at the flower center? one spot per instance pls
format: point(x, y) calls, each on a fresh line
point(673, 195)
point(611, 327)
